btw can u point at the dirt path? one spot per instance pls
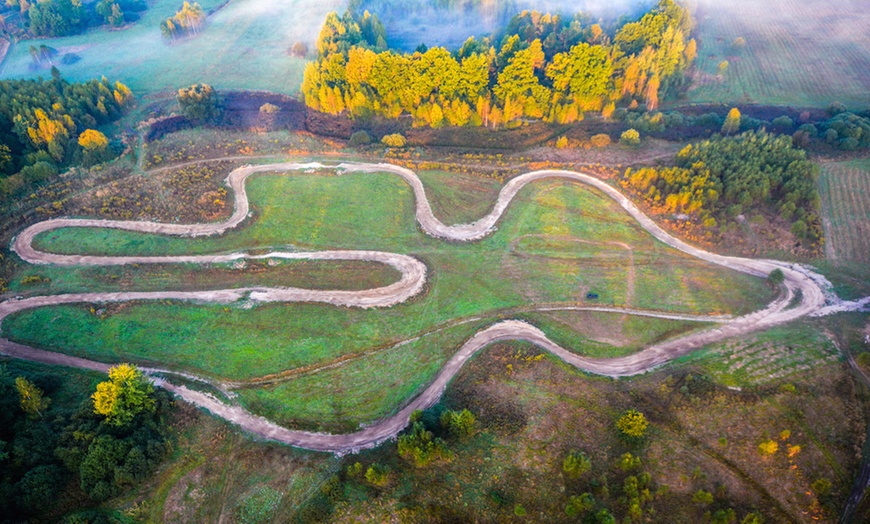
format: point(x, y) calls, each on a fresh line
point(797, 279)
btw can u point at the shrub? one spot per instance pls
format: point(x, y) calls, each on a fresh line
point(630, 137)
point(459, 424)
point(579, 505)
point(360, 138)
point(768, 447)
point(632, 423)
point(420, 446)
point(394, 140)
point(378, 475)
point(562, 142)
point(703, 498)
point(600, 140)
point(783, 121)
point(628, 462)
point(299, 50)
point(576, 464)
point(709, 120)
point(822, 487)
point(199, 103)
point(776, 277)
point(38, 172)
point(810, 130)
point(836, 108)
point(269, 108)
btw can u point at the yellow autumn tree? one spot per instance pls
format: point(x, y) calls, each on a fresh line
point(91, 140)
point(126, 394)
point(95, 147)
point(732, 122)
point(32, 400)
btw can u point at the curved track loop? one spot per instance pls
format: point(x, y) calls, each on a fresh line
point(797, 279)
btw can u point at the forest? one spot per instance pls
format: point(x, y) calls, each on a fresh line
point(724, 177)
point(44, 127)
point(543, 67)
point(61, 452)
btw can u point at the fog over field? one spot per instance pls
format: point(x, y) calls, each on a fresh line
point(450, 22)
point(801, 52)
point(797, 52)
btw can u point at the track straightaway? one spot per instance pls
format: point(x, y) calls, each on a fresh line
point(797, 280)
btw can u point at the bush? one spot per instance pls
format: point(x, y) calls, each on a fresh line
point(360, 138)
point(632, 423)
point(562, 142)
point(579, 505)
point(709, 120)
point(576, 464)
point(703, 498)
point(394, 140)
point(199, 103)
point(38, 172)
point(630, 137)
point(420, 446)
point(299, 50)
point(810, 130)
point(378, 475)
point(601, 140)
point(836, 108)
point(460, 424)
point(776, 277)
point(783, 122)
point(269, 108)
point(768, 447)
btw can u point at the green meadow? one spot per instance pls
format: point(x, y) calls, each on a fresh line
point(556, 242)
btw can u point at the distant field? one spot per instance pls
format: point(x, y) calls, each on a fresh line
point(798, 52)
point(242, 47)
point(845, 190)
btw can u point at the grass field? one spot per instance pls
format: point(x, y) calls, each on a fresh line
point(845, 190)
point(244, 46)
point(798, 52)
point(556, 242)
point(779, 354)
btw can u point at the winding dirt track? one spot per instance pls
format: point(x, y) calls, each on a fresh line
point(797, 279)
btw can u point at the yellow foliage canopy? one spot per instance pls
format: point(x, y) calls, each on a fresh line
point(91, 140)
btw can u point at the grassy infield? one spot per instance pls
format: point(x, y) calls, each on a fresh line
point(494, 278)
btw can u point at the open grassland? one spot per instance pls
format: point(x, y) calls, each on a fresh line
point(557, 242)
point(797, 52)
point(243, 46)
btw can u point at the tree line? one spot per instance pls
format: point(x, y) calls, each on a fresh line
point(68, 17)
point(46, 125)
point(721, 178)
point(545, 67)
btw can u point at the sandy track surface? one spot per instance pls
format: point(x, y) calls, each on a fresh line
point(813, 297)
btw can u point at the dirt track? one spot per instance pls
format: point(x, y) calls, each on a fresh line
point(810, 285)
